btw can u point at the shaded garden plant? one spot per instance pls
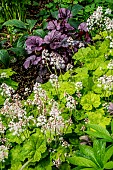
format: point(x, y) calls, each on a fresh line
point(55, 50)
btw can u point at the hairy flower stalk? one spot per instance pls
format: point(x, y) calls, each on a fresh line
point(6, 90)
point(16, 117)
point(71, 103)
point(3, 153)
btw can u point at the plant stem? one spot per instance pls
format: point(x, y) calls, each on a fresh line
point(26, 164)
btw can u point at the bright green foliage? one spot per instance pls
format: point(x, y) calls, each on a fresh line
point(98, 117)
point(99, 132)
point(39, 147)
point(31, 150)
point(90, 101)
point(96, 157)
point(66, 87)
point(34, 147)
point(9, 72)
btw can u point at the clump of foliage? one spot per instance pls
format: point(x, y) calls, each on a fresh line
point(65, 123)
point(55, 49)
point(13, 10)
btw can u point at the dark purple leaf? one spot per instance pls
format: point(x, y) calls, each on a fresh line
point(87, 37)
point(83, 27)
point(54, 38)
point(37, 60)
point(52, 25)
point(64, 13)
point(28, 61)
point(33, 43)
point(67, 26)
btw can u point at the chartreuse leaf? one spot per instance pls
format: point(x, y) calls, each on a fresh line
point(12, 138)
point(34, 147)
point(82, 54)
point(16, 166)
point(90, 100)
point(67, 87)
point(109, 165)
point(15, 155)
point(98, 117)
point(44, 164)
point(80, 161)
point(108, 154)
point(8, 71)
point(99, 132)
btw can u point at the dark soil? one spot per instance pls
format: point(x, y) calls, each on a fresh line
point(28, 77)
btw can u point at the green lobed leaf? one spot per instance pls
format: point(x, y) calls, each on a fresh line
point(66, 87)
point(15, 166)
point(15, 154)
point(34, 147)
point(90, 100)
point(44, 164)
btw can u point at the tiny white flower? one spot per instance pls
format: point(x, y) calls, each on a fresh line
point(108, 11)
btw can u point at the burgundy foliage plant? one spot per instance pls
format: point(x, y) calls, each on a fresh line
point(58, 46)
